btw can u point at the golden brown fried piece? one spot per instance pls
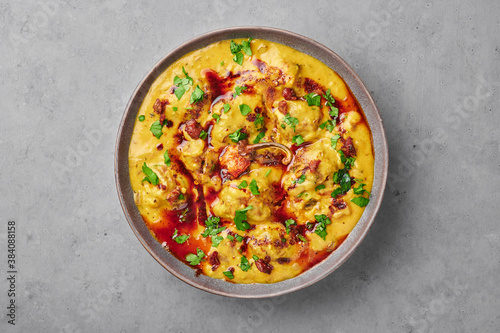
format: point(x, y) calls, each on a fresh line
point(233, 162)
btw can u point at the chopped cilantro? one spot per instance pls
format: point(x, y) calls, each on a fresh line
point(216, 117)
point(347, 161)
point(203, 135)
point(360, 189)
point(238, 58)
point(238, 136)
point(334, 112)
point(313, 99)
point(245, 109)
point(238, 90)
point(244, 264)
point(298, 139)
point(216, 240)
point(337, 192)
point(156, 129)
point(183, 85)
point(329, 124)
point(342, 178)
point(239, 238)
point(323, 221)
point(226, 108)
point(360, 201)
point(235, 48)
point(212, 226)
point(222, 63)
point(267, 173)
point(300, 180)
point(245, 46)
point(254, 257)
point(141, 118)
point(230, 237)
point(254, 187)
point(259, 137)
point(151, 176)
point(180, 238)
point(181, 197)
point(334, 140)
point(290, 121)
point(195, 259)
point(320, 187)
point(175, 108)
point(259, 120)
point(229, 274)
point(288, 223)
point(243, 184)
point(240, 218)
point(167, 158)
point(197, 95)
point(302, 238)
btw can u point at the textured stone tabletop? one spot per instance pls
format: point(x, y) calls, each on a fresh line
point(430, 263)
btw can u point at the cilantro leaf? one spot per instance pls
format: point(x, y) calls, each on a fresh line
point(181, 238)
point(197, 95)
point(323, 221)
point(151, 176)
point(359, 189)
point(259, 120)
point(203, 135)
point(238, 90)
point(298, 139)
point(290, 121)
point(329, 124)
point(259, 137)
point(243, 184)
point(212, 226)
point(300, 180)
point(254, 187)
point(302, 238)
point(337, 192)
point(166, 156)
point(313, 99)
point(334, 112)
point(216, 117)
point(234, 47)
point(320, 187)
point(195, 259)
point(239, 238)
point(360, 201)
point(230, 237)
point(244, 264)
point(267, 173)
point(245, 46)
point(229, 274)
point(238, 136)
point(288, 223)
point(240, 218)
point(226, 108)
point(156, 129)
point(334, 140)
point(238, 58)
point(216, 240)
point(245, 109)
point(254, 257)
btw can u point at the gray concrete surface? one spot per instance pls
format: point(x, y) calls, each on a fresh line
point(431, 262)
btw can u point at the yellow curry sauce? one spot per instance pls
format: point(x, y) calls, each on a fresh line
point(233, 209)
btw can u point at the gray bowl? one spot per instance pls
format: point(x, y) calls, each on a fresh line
point(322, 269)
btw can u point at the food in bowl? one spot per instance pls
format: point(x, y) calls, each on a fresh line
point(250, 161)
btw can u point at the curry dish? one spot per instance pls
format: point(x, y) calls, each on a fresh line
point(250, 161)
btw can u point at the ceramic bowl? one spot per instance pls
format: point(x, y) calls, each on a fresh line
point(317, 272)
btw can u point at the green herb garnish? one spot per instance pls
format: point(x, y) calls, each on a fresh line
point(323, 221)
point(254, 187)
point(212, 226)
point(216, 240)
point(243, 184)
point(313, 99)
point(238, 136)
point(245, 109)
point(228, 274)
point(203, 135)
point(298, 139)
point(320, 187)
point(360, 201)
point(195, 259)
point(334, 140)
point(179, 238)
point(156, 129)
point(238, 90)
point(216, 117)
point(290, 121)
point(151, 176)
point(141, 118)
point(267, 173)
point(244, 264)
point(259, 137)
point(226, 108)
point(240, 218)
point(197, 95)
point(166, 156)
point(288, 223)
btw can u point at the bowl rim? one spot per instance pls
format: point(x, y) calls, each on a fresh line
point(331, 262)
